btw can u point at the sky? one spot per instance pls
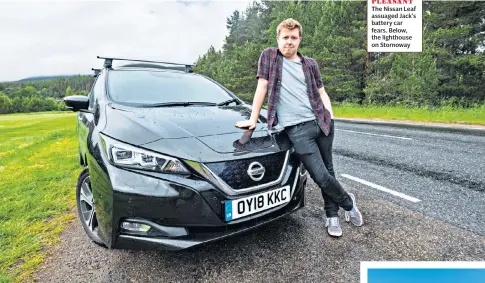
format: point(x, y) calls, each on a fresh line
point(64, 37)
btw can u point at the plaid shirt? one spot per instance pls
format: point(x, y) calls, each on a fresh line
point(269, 67)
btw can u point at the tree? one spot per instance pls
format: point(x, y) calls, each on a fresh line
point(456, 36)
point(70, 92)
point(341, 49)
point(5, 103)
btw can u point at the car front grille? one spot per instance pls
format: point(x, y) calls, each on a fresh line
point(235, 174)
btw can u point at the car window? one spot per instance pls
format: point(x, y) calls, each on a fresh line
point(142, 87)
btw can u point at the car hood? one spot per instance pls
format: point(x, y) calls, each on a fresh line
point(190, 126)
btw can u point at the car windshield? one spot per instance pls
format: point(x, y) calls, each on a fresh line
point(149, 87)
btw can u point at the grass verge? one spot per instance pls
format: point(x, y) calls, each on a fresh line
point(38, 173)
point(473, 116)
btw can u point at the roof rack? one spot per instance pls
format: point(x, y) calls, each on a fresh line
point(108, 63)
point(96, 71)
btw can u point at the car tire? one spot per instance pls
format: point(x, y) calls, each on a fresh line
point(85, 208)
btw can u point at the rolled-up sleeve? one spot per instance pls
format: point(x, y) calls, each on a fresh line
point(318, 76)
point(263, 65)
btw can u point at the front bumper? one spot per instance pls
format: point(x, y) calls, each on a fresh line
point(201, 235)
point(181, 211)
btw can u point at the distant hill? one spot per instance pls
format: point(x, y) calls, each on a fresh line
point(45, 78)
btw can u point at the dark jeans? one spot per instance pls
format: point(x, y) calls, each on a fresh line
point(315, 151)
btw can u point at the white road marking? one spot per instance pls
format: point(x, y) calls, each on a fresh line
point(381, 188)
point(364, 133)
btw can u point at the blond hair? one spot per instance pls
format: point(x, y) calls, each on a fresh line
point(289, 24)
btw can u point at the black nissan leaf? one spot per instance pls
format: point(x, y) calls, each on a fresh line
point(165, 166)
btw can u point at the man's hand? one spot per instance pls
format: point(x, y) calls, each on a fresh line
point(248, 124)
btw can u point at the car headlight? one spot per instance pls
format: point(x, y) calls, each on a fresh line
point(125, 155)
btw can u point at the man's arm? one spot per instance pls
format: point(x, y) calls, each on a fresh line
point(321, 89)
point(261, 90)
point(258, 100)
point(326, 100)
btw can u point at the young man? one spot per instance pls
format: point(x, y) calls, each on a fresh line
point(299, 103)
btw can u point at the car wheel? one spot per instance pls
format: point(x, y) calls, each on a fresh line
point(85, 207)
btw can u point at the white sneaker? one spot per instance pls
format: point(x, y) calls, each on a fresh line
point(333, 227)
point(354, 216)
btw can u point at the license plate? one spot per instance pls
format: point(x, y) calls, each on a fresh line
point(234, 209)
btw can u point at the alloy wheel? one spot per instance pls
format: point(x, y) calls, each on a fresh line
point(86, 202)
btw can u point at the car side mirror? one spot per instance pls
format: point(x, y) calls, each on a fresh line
point(77, 103)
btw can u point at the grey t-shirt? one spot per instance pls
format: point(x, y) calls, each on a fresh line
point(294, 105)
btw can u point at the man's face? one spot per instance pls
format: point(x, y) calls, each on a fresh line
point(288, 41)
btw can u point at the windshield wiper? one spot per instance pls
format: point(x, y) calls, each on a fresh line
point(227, 102)
point(187, 103)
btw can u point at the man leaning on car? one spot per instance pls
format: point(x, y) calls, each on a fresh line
point(299, 103)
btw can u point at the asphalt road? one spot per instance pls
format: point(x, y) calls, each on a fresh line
point(421, 193)
point(444, 170)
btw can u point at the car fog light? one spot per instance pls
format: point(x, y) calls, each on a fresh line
point(135, 227)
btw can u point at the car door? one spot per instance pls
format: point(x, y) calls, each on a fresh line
point(102, 192)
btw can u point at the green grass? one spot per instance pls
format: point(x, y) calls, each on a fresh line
point(474, 115)
point(38, 173)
